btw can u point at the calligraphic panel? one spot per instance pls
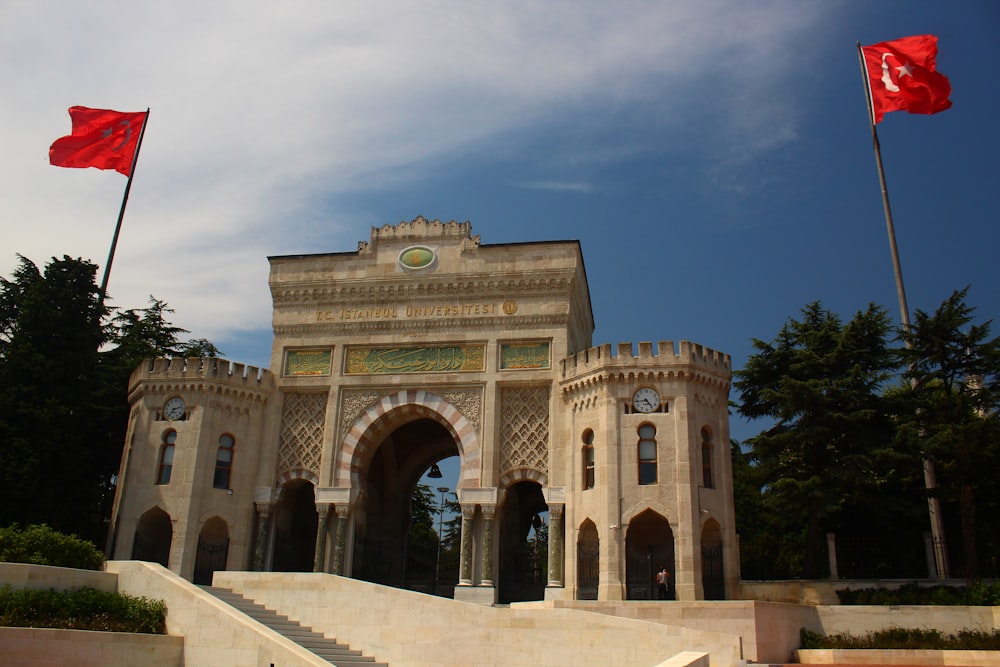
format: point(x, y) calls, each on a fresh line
point(401, 360)
point(307, 362)
point(524, 356)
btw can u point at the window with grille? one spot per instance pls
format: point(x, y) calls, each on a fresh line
point(166, 458)
point(224, 462)
point(647, 454)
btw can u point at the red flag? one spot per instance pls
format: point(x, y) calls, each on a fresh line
point(902, 75)
point(101, 138)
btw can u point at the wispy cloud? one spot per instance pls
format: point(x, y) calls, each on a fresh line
point(260, 113)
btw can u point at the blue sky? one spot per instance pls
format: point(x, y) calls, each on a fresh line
point(713, 158)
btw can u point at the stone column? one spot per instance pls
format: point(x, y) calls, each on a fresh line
point(465, 559)
point(340, 541)
point(319, 560)
point(556, 545)
point(486, 562)
point(263, 529)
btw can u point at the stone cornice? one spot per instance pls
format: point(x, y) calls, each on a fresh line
point(217, 377)
point(355, 327)
point(188, 387)
point(381, 291)
point(598, 379)
point(691, 362)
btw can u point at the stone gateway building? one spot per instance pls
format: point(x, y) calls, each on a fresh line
point(424, 345)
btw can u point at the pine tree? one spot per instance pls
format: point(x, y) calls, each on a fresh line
point(951, 413)
point(819, 384)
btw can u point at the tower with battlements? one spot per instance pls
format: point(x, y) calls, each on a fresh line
point(579, 472)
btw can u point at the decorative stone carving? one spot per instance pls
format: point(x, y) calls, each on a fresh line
point(353, 403)
point(524, 429)
point(301, 442)
point(468, 401)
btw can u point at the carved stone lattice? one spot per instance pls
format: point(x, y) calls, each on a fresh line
point(524, 415)
point(353, 404)
point(468, 401)
point(301, 443)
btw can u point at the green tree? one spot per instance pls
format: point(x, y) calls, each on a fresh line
point(950, 414)
point(819, 384)
point(50, 333)
point(63, 381)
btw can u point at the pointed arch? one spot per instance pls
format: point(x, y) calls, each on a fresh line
point(391, 410)
point(588, 561)
point(154, 533)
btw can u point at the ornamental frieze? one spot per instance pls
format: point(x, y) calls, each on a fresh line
point(425, 359)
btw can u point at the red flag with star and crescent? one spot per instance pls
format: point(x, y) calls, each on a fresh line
point(903, 76)
point(100, 138)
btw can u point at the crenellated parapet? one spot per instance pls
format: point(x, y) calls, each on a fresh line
point(418, 229)
point(220, 377)
point(649, 363)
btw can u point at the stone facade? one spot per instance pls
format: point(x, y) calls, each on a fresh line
point(425, 344)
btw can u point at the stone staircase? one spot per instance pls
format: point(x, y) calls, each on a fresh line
point(326, 648)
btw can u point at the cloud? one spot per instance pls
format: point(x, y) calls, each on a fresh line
point(262, 113)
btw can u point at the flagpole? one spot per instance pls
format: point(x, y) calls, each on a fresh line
point(121, 215)
point(930, 474)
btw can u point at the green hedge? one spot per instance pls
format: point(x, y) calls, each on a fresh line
point(905, 638)
point(81, 609)
point(40, 545)
point(975, 594)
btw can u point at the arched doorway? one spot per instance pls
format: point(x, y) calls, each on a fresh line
point(153, 535)
point(588, 562)
point(397, 527)
point(295, 523)
point(213, 550)
point(649, 545)
point(523, 544)
point(712, 578)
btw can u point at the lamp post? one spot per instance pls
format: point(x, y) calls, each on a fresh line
point(437, 561)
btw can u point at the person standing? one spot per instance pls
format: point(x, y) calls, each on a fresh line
point(663, 582)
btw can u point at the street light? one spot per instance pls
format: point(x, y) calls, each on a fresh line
point(440, 512)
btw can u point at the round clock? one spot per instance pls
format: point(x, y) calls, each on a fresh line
point(645, 400)
point(174, 408)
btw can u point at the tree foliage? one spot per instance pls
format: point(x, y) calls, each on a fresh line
point(64, 367)
point(819, 383)
point(951, 412)
point(852, 416)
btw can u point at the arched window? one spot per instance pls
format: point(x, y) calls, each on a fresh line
point(588, 459)
point(706, 459)
point(224, 461)
point(647, 454)
point(166, 458)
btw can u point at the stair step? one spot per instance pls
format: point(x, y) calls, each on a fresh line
point(316, 642)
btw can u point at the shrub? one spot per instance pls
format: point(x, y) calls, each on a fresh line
point(81, 609)
point(40, 545)
point(974, 594)
point(904, 638)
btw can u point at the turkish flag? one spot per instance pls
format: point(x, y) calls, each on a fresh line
point(902, 75)
point(101, 138)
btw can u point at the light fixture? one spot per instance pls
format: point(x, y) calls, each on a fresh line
point(435, 472)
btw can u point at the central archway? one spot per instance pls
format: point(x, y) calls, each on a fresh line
point(396, 540)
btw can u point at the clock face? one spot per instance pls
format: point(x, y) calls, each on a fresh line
point(645, 400)
point(174, 408)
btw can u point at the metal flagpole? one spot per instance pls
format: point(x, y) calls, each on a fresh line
point(121, 215)
point(930, 475)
